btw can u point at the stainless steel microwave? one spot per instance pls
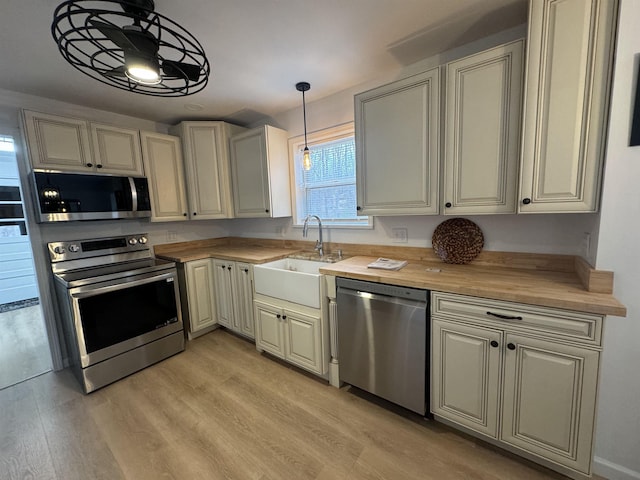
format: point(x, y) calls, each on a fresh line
point(63, 197)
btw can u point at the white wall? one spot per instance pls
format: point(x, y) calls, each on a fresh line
point(618, 430)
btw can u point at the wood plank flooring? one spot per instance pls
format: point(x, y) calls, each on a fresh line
point(220, 410)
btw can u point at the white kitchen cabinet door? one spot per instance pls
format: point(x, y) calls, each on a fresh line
point(116, 150)
point(465, 378)
point(269, 329)
point(244, 299)
point(569, 61)
point(201, 303)
point(58, 143)
point(207, 168)
point(260, 173)
point(224, 293)
point(549, 400)
point(162, 158)
point(397, 131)
point(482, 131)
point(303, 339)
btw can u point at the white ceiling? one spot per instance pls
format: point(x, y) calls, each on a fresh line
point(258, 50)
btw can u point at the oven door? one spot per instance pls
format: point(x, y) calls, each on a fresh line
point(114, 317)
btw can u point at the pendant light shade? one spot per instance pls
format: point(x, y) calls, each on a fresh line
point(306, 155)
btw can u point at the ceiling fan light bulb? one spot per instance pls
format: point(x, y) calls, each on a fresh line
point(306, 159)
point(142, 69)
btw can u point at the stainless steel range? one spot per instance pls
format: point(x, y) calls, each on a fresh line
point(120, 307)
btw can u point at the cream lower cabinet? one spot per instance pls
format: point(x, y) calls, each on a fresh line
point(569, 60)
point(198, 302)
point(523, 377)
point(234, 296)
point(292, 333)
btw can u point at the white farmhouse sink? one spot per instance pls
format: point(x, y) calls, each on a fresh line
point(290, 279)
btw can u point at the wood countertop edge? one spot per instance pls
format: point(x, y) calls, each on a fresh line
point(257, 256)
point(585, 301)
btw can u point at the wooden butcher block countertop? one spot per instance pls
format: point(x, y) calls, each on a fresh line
point(560, 289)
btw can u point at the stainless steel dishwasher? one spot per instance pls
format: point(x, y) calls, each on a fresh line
point(382, 341)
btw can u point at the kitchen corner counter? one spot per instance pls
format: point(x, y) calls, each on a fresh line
point(536, 287)
point(240, 253)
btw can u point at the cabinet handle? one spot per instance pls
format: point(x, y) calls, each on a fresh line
point(526, 201)
point(278, 315)
point(89, 165)
point(494, 343)
point(98, 166)
point(504, 317)
point(448, 205)
point(511, 346)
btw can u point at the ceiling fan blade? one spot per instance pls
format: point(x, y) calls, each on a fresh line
point(115, 34)
point(181, 70)
point(116, 72)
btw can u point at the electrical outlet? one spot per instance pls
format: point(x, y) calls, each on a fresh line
point(400, 234)
point(172, 236)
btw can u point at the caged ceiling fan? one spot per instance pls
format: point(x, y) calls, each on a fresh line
point(126, 44)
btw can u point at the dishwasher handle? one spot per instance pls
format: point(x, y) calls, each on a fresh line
point(376, 297)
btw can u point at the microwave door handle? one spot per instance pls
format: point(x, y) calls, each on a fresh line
point(134, 194)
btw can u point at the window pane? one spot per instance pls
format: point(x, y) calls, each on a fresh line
point(11, 211)
point(332, 202)
point(12, 229)
point(332, 162)
point(9, 194)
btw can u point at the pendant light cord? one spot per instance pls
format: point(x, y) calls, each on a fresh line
point(304, 119)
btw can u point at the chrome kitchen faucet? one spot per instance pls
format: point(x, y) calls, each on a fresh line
point(305, 231)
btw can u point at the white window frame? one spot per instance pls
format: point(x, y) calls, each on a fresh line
point(296, 147)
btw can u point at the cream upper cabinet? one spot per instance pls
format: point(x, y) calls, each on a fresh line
point(116, 150)
point(200, 303)
point(569, 61)
point(521, 375)
point(207, 167)
point(68, 144)
point(260, 173)
point(162, 158)
point(397, 131)
point(58, 143)
point(483, 108)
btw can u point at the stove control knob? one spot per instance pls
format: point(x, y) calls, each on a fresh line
point(59, 250)
point(142, 240)
point(73, 248)
point(133, 241)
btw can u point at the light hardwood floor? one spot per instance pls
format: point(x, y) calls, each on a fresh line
point(220, 410)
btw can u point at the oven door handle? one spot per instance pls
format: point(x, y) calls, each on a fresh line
point(121, 283)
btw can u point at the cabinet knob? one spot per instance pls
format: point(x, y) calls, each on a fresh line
point(184, 214)
point(89, 165)
point(195, 213)
point(229, 267)
point(448, 205)
point(98, 166)
point(278, 315)
point(222, 267)
point(526, 201)
point(246, 270)
point(358, 208)
point(266, 210)
point(494, 343)
point(284, 317)
point(511, 346)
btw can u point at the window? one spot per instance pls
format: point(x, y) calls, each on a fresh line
point(328, 189)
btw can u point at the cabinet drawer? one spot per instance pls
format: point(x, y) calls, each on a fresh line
point(562, 324)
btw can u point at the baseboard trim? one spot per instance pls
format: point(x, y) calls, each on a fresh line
point(613, 471)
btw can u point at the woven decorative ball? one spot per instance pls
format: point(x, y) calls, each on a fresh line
point(457, 240)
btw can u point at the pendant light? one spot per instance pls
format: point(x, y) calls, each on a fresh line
point(306, 156)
